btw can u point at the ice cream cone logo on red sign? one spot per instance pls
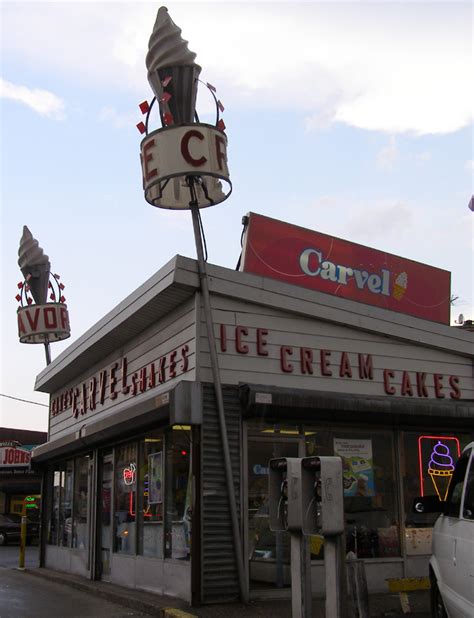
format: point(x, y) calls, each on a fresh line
point(400, 286)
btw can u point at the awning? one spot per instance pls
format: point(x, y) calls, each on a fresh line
point(180, 406)
point(303, 405)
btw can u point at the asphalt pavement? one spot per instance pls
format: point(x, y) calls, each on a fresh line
point(42, 593)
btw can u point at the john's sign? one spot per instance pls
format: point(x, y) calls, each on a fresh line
point(14, 456)
point(327, 264)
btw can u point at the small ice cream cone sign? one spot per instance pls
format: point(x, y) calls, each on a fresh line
point(42, 315)
point(440, 469)
point(400, 286)
point(184, 160)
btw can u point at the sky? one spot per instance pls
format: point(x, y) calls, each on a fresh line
point(353, 119)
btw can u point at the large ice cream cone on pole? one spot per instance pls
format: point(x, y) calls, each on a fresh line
point(35, 266)
point(440, 470)
point(172, 72)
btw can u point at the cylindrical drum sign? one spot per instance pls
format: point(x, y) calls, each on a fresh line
point(171, 155)
point(43, 323)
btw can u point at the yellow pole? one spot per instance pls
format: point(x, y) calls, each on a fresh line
point(22, 537)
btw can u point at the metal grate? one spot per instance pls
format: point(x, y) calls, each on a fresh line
point(219, 570)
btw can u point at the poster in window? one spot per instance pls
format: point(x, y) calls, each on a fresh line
point(357, 464)
point(155, 478)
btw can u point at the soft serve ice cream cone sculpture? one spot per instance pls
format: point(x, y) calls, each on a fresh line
point(440, 469)
point(34, 265)
point(172, 72)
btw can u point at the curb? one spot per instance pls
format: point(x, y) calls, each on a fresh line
point(156, 607)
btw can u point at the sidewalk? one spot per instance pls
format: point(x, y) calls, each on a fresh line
point(381, 605)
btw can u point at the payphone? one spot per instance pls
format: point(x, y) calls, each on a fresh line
point(322, 496)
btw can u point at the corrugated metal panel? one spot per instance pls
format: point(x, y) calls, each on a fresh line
point(219, 570)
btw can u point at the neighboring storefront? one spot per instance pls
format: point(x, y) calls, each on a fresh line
point(17, 479)
point(136, 491)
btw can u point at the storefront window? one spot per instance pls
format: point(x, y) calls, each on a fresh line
point(65, 510)
point(178, 487)
point(370, 489)
point(79, 527)
point(150, 507)
point(125, 498)
point(269, 552)
point(370, 494)
point(53, 527)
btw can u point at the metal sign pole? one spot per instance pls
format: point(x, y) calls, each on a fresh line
point(47, 351)
point(218, 391)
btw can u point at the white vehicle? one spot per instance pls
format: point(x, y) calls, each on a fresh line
point(452, 562)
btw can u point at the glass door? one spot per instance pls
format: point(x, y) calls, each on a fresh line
point(106, 475)
point(268, 552)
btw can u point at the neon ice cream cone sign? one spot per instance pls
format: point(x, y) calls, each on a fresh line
point(440, 462)
point(185, 156)
point(441, 469)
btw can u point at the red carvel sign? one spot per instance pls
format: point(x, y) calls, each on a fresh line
point(327, 264)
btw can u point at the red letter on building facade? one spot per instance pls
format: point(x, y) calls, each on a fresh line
point(366, 370)
point(438, 385)
point(113, 381)
point(240, 347)
point(454, 384)
point(388, 373)
point(345, 369)
point(223, 338)
point(325, 356)
point(173, 364)
point(285, 351)
point(306, 360)
point(185, 357)
point(262, 342)
point(407, 388)
point(420, 384)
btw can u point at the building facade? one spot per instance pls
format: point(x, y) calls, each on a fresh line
point(135, 485)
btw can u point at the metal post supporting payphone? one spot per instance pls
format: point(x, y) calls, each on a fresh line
point(285, 513)
point(323, 513)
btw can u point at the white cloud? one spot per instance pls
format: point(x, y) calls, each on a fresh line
point(369, 65)
point(390, 220)
point(469, 165)
point(119, 119)
point(41, 101)
point(388, 155)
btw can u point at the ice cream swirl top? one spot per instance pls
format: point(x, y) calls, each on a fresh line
point(440, 458)
point(30, 254)
point(166, 48)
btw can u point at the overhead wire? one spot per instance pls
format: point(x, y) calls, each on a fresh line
point(36, 403)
